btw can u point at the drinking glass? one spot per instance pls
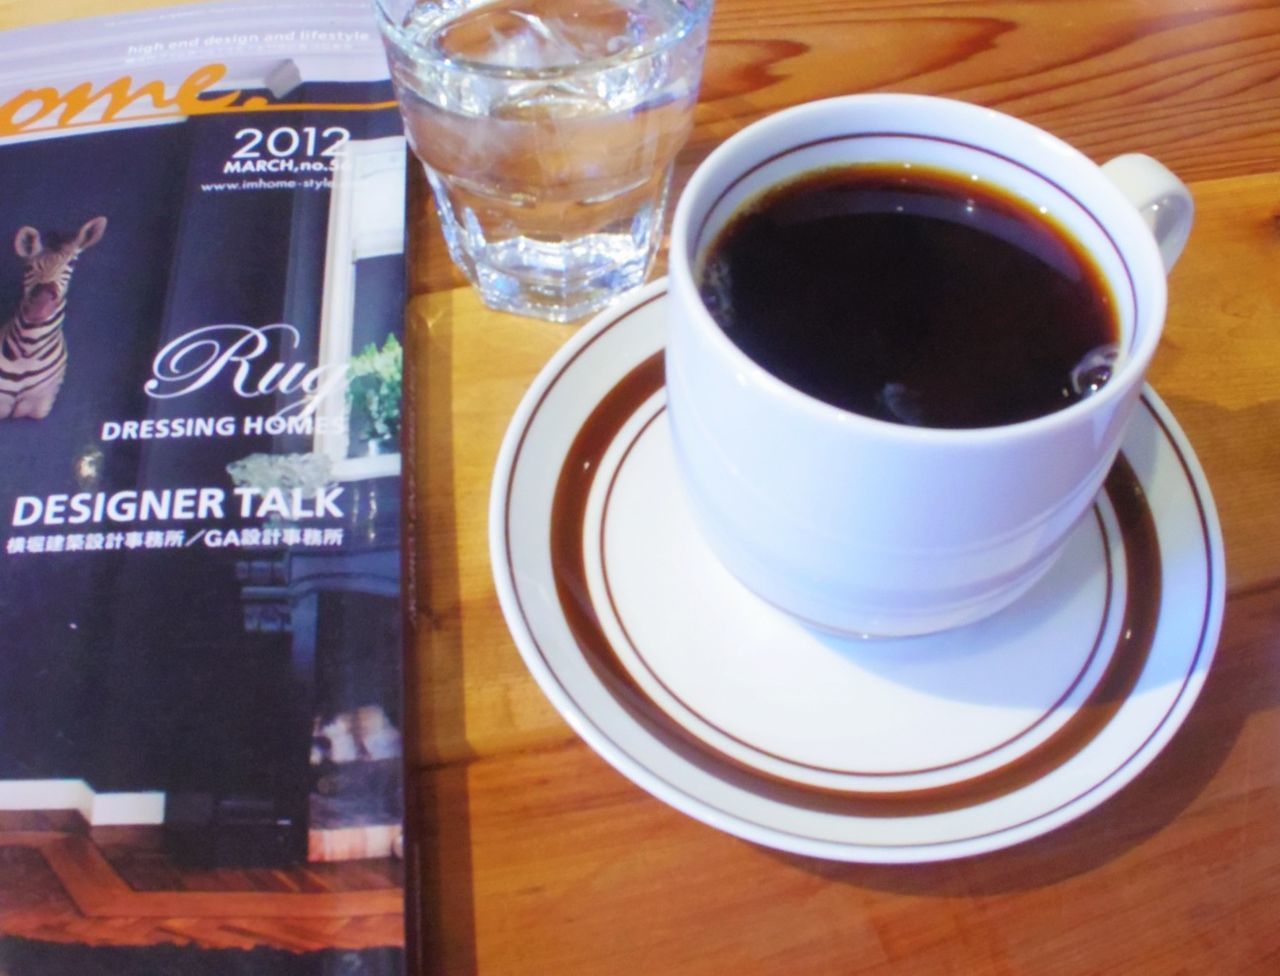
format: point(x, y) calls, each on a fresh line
point(548, 130)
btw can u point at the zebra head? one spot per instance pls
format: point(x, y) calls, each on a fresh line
point(48, 273)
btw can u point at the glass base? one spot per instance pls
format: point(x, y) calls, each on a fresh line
point(560, 282)
point(559, 278)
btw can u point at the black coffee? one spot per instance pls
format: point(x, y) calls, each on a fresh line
point(913, 295)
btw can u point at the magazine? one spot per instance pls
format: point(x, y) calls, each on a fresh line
point(202, 288)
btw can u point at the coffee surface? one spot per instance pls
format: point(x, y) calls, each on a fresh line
point(913, 295)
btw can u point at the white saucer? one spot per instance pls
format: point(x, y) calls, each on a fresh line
point(880, 751)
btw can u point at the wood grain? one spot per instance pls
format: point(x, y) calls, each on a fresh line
point(1218, 364)
point(77, 885)
point(1194, 84)
point(537, 857)
point(572, 869)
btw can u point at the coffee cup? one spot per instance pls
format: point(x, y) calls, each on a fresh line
point(886, 526)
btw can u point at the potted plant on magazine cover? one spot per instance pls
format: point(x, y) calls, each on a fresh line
point(373, 396)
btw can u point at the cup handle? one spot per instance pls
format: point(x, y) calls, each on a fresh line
point(1162, 199)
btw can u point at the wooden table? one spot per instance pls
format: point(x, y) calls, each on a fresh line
point(537, 857)
point(534, 856)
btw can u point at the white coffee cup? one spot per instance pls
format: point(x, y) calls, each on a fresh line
point(858, 525)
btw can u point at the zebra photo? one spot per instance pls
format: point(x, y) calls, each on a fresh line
point(33, 348)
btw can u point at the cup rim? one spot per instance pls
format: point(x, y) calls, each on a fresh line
point(700, 11)
point(1143, 253)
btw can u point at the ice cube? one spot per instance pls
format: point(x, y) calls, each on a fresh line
point(528, 34)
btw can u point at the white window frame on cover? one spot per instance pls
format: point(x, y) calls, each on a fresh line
point(366, 220)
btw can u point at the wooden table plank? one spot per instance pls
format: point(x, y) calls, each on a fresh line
point(1195, 84)
point(1218, 365)
point(551, 862)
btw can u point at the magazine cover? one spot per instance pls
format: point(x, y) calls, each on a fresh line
point(201, 305)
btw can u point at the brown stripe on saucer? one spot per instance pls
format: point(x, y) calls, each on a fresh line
point(1141, 610)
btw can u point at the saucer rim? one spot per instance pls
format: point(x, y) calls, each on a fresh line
point(736, 823)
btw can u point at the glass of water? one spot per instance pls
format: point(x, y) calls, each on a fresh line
point(548, 130)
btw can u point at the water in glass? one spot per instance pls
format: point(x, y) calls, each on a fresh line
point(548, 129)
